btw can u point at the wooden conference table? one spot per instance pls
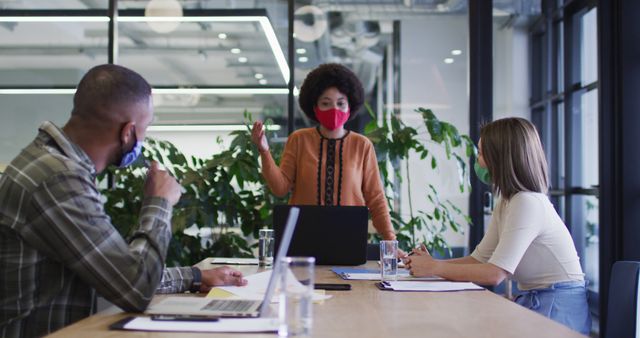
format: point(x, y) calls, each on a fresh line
point(367, 312)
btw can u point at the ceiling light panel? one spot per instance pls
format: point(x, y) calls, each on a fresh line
point(250, 37)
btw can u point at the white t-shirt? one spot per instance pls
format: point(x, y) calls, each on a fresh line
point(527, 238)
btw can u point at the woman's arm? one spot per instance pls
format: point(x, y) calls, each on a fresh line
point(279, 179)
point(480, 273)
point(278, 182)
point(463, 260)
point(466, 269)
point(374, 195)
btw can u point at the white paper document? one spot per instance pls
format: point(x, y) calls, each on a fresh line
point(431, 286)
point(376, 276)
point(234, 261)
point(223, 325)
point(257, 286)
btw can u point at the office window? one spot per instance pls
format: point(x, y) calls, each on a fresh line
point(571, 107)
point(30, 59)
point(22, 116)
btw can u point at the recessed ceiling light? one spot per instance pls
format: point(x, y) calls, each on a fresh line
point(243, 59)
point(301, 51)
point(235, 50)
point(456, 52)
point(303, 59)
point(222, 36)
point(448, 60)
point(263, 81)
point(259, 76)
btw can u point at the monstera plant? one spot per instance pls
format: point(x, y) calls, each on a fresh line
point(226, 195)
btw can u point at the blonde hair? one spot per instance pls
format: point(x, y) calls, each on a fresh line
point(514, 156)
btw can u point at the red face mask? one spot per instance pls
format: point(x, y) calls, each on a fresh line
point(331, 118)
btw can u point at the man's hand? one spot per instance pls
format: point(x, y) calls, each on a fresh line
point(160, 184)
point(221, 276)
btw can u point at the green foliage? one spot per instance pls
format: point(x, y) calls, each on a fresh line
point(224, 192)
point(395, 142)
point(227, 194)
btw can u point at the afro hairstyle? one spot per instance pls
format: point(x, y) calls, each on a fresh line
point(324, 77)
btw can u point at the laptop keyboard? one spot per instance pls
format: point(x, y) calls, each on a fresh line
point(229, 305)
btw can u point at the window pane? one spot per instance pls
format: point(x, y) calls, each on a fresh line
point(432, 75)
point(587, 174)
point(585, 236)
point(25, 113)
point(561, 132)
point(194, 53)
point(588, 47)
point(537, 71)
point(58, 58)
point(228, 49)
point(560, 56)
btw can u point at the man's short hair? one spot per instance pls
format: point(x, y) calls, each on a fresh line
point(106, 88)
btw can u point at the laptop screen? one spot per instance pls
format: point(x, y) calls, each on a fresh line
point(342, 230)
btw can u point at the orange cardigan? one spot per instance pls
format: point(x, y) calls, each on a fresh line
point(360, 184)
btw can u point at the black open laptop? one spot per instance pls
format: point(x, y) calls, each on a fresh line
point(335, 235)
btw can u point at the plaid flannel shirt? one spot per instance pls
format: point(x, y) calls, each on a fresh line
point(58, 248)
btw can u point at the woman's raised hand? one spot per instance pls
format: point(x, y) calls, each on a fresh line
point(258, 136)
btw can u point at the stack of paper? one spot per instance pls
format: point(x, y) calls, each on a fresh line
point(223, 325)
point(429, 286)
point(367, 274)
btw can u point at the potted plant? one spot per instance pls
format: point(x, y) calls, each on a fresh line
point(396, 142)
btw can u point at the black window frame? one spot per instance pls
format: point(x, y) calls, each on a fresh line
point(554, 109)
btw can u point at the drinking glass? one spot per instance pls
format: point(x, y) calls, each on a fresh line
point(295, 310)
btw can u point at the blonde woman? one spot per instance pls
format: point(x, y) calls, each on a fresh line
point(526, 238)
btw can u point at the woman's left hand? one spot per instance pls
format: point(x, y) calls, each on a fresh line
point(420, 263)
point(401, 254)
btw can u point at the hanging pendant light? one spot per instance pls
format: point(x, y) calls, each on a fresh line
point(163, 8)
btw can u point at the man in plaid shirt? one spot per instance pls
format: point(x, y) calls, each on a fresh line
point(58, 248)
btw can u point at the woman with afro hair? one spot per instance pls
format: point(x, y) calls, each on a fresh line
point(328, 165)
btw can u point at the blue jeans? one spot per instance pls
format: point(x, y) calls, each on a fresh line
point(564, 302)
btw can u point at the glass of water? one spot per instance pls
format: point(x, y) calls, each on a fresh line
point(295, 310)
point(266, 242)
point(388, 260)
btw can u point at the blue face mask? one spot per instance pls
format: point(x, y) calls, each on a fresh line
point(132, 155)
point(483, 174)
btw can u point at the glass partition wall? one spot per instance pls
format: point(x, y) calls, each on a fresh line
point(209, 62)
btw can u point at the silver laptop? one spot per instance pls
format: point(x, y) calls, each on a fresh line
point(200, 306)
